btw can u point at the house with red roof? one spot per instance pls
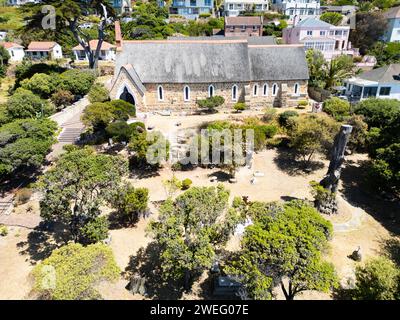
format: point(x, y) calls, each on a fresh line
point(44, 50)
point(107, 51)
point(15, 50)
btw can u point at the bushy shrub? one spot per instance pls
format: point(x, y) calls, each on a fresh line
point(98, 93)
point(211, 103)
point(239, 106)
point(285, 117)
point(122, 109)
point(3, 230)
point(22, 196)
point(268, 130)
point(378, 112)
point(25, 104)
point(76, 271)
point(378, 279)
point(269, 115)
point(186, 183)
point(62, 98)
point(337, 108)
point(120, 131)
point(41, 84)
point(302, 104)
point(99, 114)
point(76, 81)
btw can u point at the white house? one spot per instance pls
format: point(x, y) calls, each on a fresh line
point(44, 50)
point(393, 29)
point(234, 7)
point(15, 50)
point(107, 51)
point(316, 34)
point(382, 83)
point(297, 10)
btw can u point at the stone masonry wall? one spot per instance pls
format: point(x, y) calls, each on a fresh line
point(174, 94)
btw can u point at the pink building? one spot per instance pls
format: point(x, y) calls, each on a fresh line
point(315, 34)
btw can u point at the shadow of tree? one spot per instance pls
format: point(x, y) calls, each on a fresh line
point(286, 161)
point(43, 240)
point(392, 248)
point(358, 193)
point(147, 263)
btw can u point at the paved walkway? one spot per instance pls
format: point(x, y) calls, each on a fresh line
point(29, 220)
point(357, 217)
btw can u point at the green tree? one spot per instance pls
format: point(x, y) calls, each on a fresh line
point(386, 53)
point(190, 228)
point(76, 187)
point(378, 279)
point(25, 104)
point(130, 202)
point(95, 230)
point(284, 246)
point(70, 15)
point(370, 27)
point(338, 69)
point(4, 56)
point(316, 65)
point(24, 145)
point(332, 18)
point(73, 271)
point(312, 134)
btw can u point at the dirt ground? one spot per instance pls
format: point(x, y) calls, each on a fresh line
point(278, 183)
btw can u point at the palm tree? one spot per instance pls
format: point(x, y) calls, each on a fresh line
point(338, 69)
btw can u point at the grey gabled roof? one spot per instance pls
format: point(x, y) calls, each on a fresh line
point(187, 61)
point(201, 61)
point(278, 63)
point(386, 74)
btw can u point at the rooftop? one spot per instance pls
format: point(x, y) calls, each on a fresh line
point(392, 13)
point(386, 74)
point(93, 45)
point(41, 45)
point(9, 45)
point(312, 22)
point(243, 21)
point(211, 61)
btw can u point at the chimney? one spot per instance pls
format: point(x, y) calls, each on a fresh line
point(118, 35)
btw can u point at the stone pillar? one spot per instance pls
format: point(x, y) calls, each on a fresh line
point(283, 95)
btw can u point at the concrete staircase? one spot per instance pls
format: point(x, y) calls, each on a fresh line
point(70, 135)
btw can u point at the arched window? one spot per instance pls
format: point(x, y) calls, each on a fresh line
point(274, 89)
point(265, 89)
point(211, 91)
point(296, 89)
point(234, 92)
point(255, 90)
point(186, 93)
point(160, 92)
